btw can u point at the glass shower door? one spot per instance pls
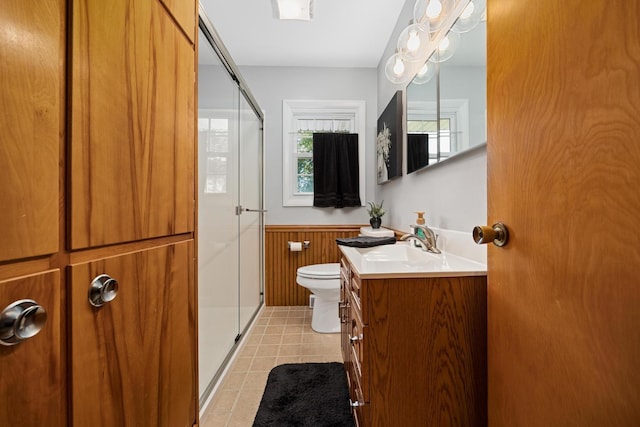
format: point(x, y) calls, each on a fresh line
point(251, 217)
point(218, 243)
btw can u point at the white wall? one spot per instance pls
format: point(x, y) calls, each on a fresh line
point(453, 194)
point(270, 85)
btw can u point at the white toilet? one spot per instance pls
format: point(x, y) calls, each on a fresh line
point(323, 280)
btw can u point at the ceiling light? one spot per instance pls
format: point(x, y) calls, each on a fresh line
point(425, 74)
point(434, 9)
point(301, 10)
point(412, 41)
point(468, 11)
point(470, 17)
point(447, 47)
point(433, 12)
point(395, 69)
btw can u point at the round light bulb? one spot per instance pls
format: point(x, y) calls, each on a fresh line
point(423, 70)
point(444, 44)
point(434, 9)
point(468, 11)
point(413, 43)
point(398, 67)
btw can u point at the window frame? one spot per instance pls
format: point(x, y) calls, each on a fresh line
point(232, 134)
point(317, 109)
point(454, 110)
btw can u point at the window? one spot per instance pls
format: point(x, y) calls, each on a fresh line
point(423, 121)
point(214, 129)
point(300, 119)
point(454, 126)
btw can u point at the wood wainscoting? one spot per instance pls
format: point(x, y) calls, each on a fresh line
point(281, 264)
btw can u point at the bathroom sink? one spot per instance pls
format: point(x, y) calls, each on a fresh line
point(395, 253)
point(404, 260)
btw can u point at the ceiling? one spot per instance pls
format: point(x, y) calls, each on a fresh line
point(342, 33)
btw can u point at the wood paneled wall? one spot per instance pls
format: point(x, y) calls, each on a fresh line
point(281, 264)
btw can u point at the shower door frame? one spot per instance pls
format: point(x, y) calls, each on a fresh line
point(220, 50)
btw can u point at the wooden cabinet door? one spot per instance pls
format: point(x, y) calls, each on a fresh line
point(564, 175)
point(132, 124)
point(185, 13)
point(31, 372)
point(31, 52)
point(134, 357)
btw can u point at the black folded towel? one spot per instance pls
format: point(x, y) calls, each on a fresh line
point(366, 241)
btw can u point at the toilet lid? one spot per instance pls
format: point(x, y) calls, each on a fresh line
point(320, 271)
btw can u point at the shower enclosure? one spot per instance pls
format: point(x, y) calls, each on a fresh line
point(230, 207)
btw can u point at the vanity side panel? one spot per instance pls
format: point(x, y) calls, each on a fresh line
point(427, 351)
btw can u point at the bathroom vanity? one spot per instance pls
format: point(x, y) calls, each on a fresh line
point(414, 338)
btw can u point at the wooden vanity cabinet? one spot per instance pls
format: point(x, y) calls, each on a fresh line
point(415, 349)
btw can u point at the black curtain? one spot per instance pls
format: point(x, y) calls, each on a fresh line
point(417, 151)
point(335, 170)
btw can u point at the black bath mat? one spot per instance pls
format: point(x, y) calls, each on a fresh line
point(305, 394)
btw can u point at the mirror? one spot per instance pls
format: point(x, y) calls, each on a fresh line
point(456, 94)
point(422, 118)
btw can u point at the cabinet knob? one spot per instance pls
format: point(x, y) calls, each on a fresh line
point(21, 320)
point(102, 290)
point(355, 339)
point(496, 234)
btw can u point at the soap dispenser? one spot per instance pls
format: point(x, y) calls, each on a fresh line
point(418, 231)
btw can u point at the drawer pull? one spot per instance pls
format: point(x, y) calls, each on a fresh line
point(342, 311)
point(102, 290)
point(21, 320)
point(355, 404)
point(355, 339)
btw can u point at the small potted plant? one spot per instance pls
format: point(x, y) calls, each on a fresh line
point(375, 211)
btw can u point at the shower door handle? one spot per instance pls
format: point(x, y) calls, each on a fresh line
point(239, 210)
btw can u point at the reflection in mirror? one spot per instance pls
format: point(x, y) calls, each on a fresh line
point(460, 81)
point(422, 118)
point(463, 94)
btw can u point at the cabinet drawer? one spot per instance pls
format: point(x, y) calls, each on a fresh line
point(344, 290)
point(345, 269)
point(358, 356)
point(359, 405)
point(360, 297)
point(344, 314)
point(355, 287)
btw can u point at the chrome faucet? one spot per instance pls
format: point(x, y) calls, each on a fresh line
point(428, 243)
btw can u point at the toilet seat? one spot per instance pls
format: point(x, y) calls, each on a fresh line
point(320, 271)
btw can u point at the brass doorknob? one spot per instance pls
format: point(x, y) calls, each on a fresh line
point(21, 320)
point(496, 234)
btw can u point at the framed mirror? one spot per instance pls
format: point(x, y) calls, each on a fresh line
point(463, 94)
point(448, 110)
point(422, 118)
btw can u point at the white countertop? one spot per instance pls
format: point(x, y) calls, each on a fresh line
point(402, 260)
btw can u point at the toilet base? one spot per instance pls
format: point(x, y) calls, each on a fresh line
point(325, 318)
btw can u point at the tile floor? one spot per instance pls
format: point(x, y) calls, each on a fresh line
point(280, 335)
